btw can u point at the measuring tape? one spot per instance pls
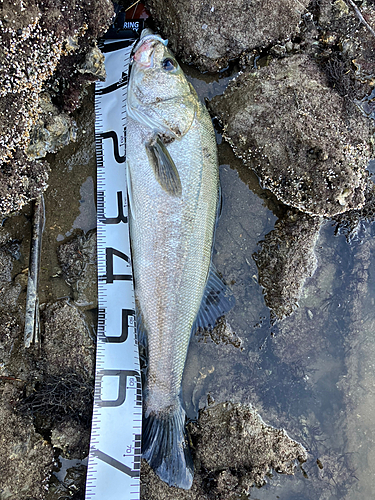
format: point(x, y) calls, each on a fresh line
point(115, 447)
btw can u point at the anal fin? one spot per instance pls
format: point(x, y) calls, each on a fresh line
point(217, 300)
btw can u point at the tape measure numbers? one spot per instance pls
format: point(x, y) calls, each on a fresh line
point(115, 446)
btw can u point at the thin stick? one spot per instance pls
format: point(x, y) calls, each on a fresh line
point(360, 17)
point(135, 3)
point(4, 377)
point(31, 334)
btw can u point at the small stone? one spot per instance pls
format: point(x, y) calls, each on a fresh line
point(341, 7)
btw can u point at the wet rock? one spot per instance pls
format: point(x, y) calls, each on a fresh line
point(9, 333)
point(210, 34)
point(26, 458)
point(234, 450)
point(21, 180)
point(221, 334)
point(285, 260)
point(77, 259)
point(94, 64)
point(344, 36)
point(62, 401)
point(52, 131)
point(355, 222)
point(34, 40)
point(301, 338)
point(330, 14)
point(236, 436)
point(9, 290)
point(71, 486)
point(293, 130)
point(71, 438)
point(67, 346)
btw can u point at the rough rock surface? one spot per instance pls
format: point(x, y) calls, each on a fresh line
point(354, 222)
point(210, 34)
point(52, 130)
point(234, 450)
point(292, 129)
point(285, 260)
point(35, 37)
point(71, 438)
point(67, 346)
point(26, 458)
point(77, 259)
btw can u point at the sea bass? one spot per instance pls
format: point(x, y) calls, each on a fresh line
point(173, 184)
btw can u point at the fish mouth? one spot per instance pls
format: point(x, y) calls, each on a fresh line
point(143, 50)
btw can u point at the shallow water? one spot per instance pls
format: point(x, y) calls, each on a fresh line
point(312, 373)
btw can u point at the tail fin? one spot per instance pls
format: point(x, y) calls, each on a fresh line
point(165, 447)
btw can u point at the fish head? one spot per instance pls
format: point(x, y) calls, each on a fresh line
point(159, 96)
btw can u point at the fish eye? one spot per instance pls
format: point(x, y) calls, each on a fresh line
point(169, 64)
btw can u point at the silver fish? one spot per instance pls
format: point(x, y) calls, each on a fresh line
point(173, 183)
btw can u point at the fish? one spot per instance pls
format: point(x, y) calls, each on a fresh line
point(173, 191)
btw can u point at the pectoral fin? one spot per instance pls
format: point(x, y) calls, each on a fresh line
point(164, 168)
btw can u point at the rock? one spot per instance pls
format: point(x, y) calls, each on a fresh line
point(71, 438)
point(62, 401)
point(234, 450)
point(26, 458)
point(285, 260)
point(94, 64)
point(67, 346)
point(210, 34)
point(341, 27)
point(77, 259)
point(9, 333)
point(9, 291)
point(292, 129)
point(35, 38)
point(21, 180)
point(236, 436)
point(355, 222)
point(53, 129)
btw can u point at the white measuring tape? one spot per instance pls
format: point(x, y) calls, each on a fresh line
point(115, 448)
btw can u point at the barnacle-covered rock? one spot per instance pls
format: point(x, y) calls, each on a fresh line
point(53, 129)
point(210, 34)
point(235, 449)
point(36, 36)
point(293, 130)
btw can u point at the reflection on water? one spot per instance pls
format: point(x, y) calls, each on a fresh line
point(312, 373)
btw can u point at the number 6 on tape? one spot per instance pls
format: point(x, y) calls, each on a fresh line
point(121, 381)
